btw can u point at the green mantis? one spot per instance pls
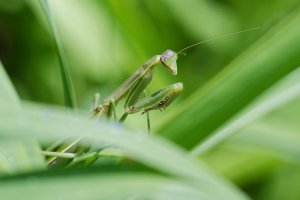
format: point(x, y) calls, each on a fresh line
point(134, 89)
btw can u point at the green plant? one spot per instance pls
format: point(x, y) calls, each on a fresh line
point(241, 123)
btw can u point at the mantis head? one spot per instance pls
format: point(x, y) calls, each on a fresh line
point(168, 59)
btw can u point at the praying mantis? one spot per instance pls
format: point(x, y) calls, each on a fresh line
point(134, 88)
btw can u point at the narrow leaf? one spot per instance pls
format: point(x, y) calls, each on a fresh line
point(7, 91)
point(69, 94)
point(280, 94)
point(100, 186)
point(16, 156)
point(48, 124)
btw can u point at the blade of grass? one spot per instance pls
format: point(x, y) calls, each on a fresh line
point(16, 156)
point(48, 124)
point(242, 164)
point(279, 95)
point(280, 136)
point(275, 135)
point(69, 94)
point(8, 93)
point(248, 76)
point(99, 186)
point(268, 144)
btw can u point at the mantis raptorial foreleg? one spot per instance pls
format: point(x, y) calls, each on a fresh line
point(156, 101)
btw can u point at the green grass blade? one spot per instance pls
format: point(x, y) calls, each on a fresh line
point(99, 186)
point(48, 124)
point(247, 77)
point(8, 93)
point(280, 139)
point(268, 144)
point(16, 156)
point(278, 96)
point(278, 133)
point(69, 94)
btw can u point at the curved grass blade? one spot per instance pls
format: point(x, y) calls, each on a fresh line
point(18, 156)
point(8, 93)
point(268, 144)
point(278, 133)
point(256, 70)
point(15, 155)
point(129, 185)
point(69, 94)
point(48, 125)
point(279, 95)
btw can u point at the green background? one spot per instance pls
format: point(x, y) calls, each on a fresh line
point(238, 113)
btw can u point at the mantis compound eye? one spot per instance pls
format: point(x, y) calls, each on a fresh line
point(164, 59)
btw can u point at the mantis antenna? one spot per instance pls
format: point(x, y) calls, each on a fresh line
point(218, 37)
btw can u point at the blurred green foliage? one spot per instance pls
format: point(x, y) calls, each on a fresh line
point(107, 40)
point(224, 80)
